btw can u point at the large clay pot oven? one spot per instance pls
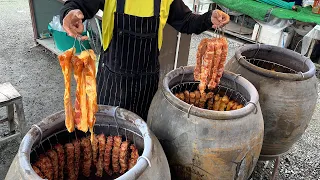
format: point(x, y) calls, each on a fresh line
point(287, 88)
point(110, 121)
point(207, 144)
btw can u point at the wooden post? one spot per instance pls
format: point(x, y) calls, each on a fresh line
point(11, 98)
point(10, 115)
point(20, 114)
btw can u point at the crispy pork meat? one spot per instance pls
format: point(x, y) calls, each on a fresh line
point(95, 149)
point(80, 106)
point(45, 165)
point(61, 162)
point(187, 96)
point(102, 145)
point(200, 53)
point(69, 149)
point(134, 156)
point(123, 158)
point(37, 170)
point(87, 156)
point(116, 153)
point(66, 66)
point(77, 154)
point(107, 155)
point(88, 57)
point(54, 160)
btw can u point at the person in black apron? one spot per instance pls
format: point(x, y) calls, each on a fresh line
point(128, 72)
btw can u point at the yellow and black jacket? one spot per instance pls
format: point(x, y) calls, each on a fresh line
point(173, 12)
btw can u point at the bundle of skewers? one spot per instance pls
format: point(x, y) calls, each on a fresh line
point(82, 67)
point(109, 155)
point(211, 58)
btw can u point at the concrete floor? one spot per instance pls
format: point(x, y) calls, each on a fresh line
point(36, 74)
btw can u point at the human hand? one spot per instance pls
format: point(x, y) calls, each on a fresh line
point(219, 19)
point(72, 24)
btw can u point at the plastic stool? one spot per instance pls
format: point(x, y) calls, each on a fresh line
point(11, 98)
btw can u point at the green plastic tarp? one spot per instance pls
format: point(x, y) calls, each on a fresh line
point(261, 11)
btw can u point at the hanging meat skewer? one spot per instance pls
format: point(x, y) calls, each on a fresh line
point(87, 156)
point(211, 56)
point(66, 66)
point(223, 103)
point(83, 116)
point(224, 53)
point(210, 62)
point(209, 97)
point(95, 147)
point(239, 106)
point(216, 103)
point(187, 96)
point(192, 98)
point(102, 145)
point(81, 112)
point(203, 100)
point(70, 161)
point(210, 104)
point(216, 61)
point(123, 157)
point(229, 105)
point(107, 155)
point(45, 166)
point(77, 151)
point(134, 156)
point(197, 98)
point(37, 170)
point(54, 159)
point(234, 107)
point(201, 51)
point(88, 57)
point(207, 64)
point(116, 153)
point(61, 162)
point(181, 95)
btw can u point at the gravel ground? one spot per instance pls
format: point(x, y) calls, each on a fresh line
point(36, 74)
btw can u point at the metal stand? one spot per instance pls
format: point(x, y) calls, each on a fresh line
point(12, 100)
point(275, 168)
point(276, 163)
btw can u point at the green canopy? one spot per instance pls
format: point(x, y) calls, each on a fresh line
point(261, 11)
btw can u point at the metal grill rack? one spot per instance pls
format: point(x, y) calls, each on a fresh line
point(63, 137)
point(271, 65)
point(220, 89)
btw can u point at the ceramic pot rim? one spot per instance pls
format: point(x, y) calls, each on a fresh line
point(277, 75)
point(209, 114)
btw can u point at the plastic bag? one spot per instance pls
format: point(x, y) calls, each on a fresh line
point(274, 24)
point(56, 25)
point(306, 3)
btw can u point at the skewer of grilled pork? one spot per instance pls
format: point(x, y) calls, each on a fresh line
point(134, 156)
point(87, 156)
point(54, 160)
point(116, 153)
point(102, 145)
point(107, 155)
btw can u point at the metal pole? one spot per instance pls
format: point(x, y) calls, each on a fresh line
point(275, 169)
point(177, 51)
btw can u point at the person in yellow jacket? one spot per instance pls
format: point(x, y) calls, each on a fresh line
point(132, 30)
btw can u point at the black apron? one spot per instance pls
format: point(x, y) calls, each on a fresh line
point(128, 73)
